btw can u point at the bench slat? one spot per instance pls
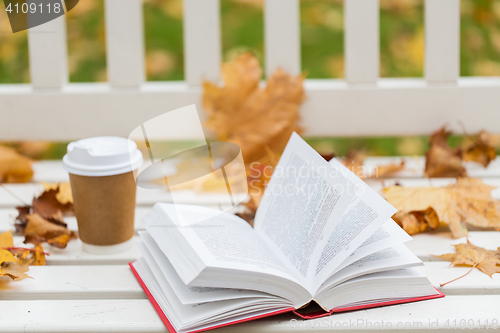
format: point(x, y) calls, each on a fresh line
point(74, 255)
point(440, 315)
point(117, 282)
point(7, 216)
point(52, 171)
point(73, 283)
point(145, 197)
point(436, 243)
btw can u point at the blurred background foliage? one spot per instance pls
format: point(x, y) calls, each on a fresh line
point(401, 46)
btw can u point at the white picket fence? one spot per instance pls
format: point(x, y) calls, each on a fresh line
point(50, 108)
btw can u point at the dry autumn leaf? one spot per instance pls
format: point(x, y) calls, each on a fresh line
point(468, 201)
point(10, 264)
point(39, 256)
point(417, 221)
point(487, 261)
point(33, 149)
point(441, 160)
point(60, 241)
point(49, 231)
point(50, 205)
point(14, 168)
point(253, 118)
point(387, 170)
point(354, 161)
point(15, 270)
point(6, 240)
point(63, 195)
point(480, 151)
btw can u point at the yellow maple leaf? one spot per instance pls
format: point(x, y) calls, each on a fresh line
point(480, 151)
point(487, 261)
point(14, 168)
point(467, 201)
point(10, 265)
point(417, 221)
point(6, 240)
point(253, 118)
point(6, 256)
point(64, 194)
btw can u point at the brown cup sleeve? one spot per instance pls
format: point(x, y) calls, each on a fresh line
point(104, 208)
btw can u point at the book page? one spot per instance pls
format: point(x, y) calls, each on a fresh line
point(189, 317)
point(223, 240)
point(231, 253)
point(395, 257)
point(365, 214)
point(386, 236)
point(159, 265)
point(303, 202)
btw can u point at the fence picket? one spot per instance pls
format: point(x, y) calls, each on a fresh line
point(282, 36)
point(361, 37)
point(202, 45)
point(442, 41)
point(48, 56)
point(125, 43)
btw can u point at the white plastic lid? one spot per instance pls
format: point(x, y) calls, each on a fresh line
point(102, 156)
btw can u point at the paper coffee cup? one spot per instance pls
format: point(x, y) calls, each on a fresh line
point(104, 189)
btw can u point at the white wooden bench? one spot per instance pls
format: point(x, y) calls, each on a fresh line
point(81, 292)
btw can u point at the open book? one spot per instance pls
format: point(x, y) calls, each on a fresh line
point(320, 235)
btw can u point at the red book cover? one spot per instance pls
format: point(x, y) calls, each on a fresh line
point(301, 315)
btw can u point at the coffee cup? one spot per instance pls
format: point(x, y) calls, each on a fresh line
point(101, 172)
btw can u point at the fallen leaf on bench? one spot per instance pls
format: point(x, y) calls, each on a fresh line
point(53, 204)
point(354, 161)
point(34, 149)
point(11, 265)
point(63, 195)
point(15, 270)
point(34, 239)
point(387, 170)
point(468, 201)
point(252, 117)
point(60, 241)
point(441, 160)
point(487, 261)
point(38, 256)
point(6, 240)
point(417, 221)
point(14, 168)
point(49, 231)
point(49, 207)
point(480, 151)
